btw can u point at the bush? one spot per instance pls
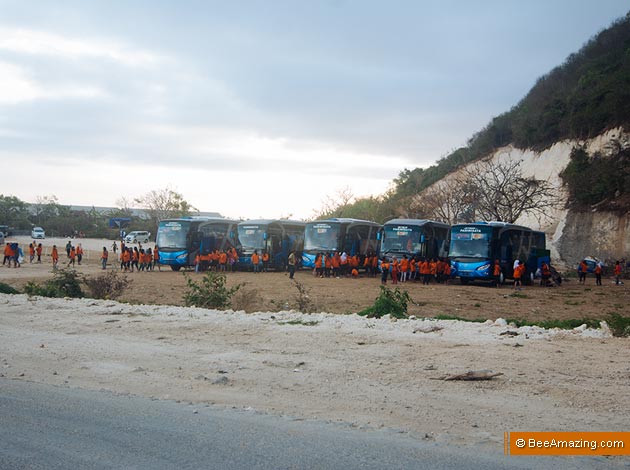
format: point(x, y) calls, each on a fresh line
point(619, 325)
point(211, 293)
point(247, 300)
point(109, 285)
point(65, 283)
point(7, 289)
point(303, 298)
point(389, 302)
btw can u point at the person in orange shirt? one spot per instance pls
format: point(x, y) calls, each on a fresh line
point(255, 261)
point(355, 273)
point(404, 268)
point(518, 274)
point(395, 270)
point(384, 270)
point(582, 270)
point(223, 259)
point(54, 254)
point(425, 272)
point(447, 272)
point(156, 258)
point(79, 254)
point(31, 252)
point(327, 264)
point(496, 273)
point(618, 273)
point(8, 253)
point(39, 250)
point(72, 255)
point(148, 258)
point(318, 272)
point(104, 256)
point(336, 264)
point(265, 261)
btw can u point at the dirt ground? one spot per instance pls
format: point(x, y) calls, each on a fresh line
point(366, 373)
point(274, 291)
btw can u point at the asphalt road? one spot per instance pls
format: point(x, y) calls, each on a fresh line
point(47, 427)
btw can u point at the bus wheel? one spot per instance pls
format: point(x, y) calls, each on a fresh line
point(175, 268)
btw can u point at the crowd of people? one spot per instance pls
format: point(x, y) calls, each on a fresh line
point(331, 264)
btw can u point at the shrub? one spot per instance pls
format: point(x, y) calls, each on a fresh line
point(619, 325)
point(304, 302)
point(388, 302)
point(65, 283)
point(210, 293)
point(108, 285)
point(7, 289)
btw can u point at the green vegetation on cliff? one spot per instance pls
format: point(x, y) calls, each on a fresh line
point(585, 96)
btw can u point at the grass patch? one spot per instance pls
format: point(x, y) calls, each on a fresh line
point(299, 322)
point(519, 295)
point(574, 302)
point(619, 325)
point(7, 289)
point(443, 316)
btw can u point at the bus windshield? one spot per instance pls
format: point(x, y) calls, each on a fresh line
point(401, 239)
point(321, 236)
point(470, 242)
point(172, 234)
point(251, 237)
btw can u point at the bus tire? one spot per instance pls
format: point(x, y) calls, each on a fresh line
point(175, 268)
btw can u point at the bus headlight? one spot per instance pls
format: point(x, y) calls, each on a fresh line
point(182, 256)
point(485, 267)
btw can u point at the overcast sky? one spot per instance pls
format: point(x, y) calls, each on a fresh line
point(261, 108)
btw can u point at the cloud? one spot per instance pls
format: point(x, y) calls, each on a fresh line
point(28, 41)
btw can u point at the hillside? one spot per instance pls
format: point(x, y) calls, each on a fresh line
point(578, 100)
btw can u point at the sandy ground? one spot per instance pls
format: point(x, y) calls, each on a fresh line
point(342, 368)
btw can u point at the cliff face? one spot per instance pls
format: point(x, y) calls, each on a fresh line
point(573, 234)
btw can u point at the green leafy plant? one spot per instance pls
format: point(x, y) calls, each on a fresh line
point(109, 285)
point(7, 289)
point(211, 292)
point(619, 325)
point(388, 302)
point(65, 283)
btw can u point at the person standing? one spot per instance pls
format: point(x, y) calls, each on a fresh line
point(384, 271)
point(618, 273)
point(598, 274)
point(496, 273)
point(104, 256)
point(291, 263)
point(79, 254)
point(582, 270)
point(39, 250)
point(68, 248)
point(255, 261)
point(72, 256)
point(54, 254)
point(518, 274)
point(114, 247)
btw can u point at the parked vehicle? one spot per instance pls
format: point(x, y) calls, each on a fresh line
point(354, 236)
point(181, 240)
point(38, 233)
point(138, 236)
point(475, 246)
point(591, 263)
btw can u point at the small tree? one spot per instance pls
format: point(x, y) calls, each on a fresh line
point(210, 293)
point(165, 204)
point(501, 192)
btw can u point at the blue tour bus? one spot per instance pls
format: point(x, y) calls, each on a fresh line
point(475, 246)
point(180, 240)
point(353, 236)
point(415, 237)
point(276, 237)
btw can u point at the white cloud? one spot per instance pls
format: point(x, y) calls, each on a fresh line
point(28, 41)
point(16, 86)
